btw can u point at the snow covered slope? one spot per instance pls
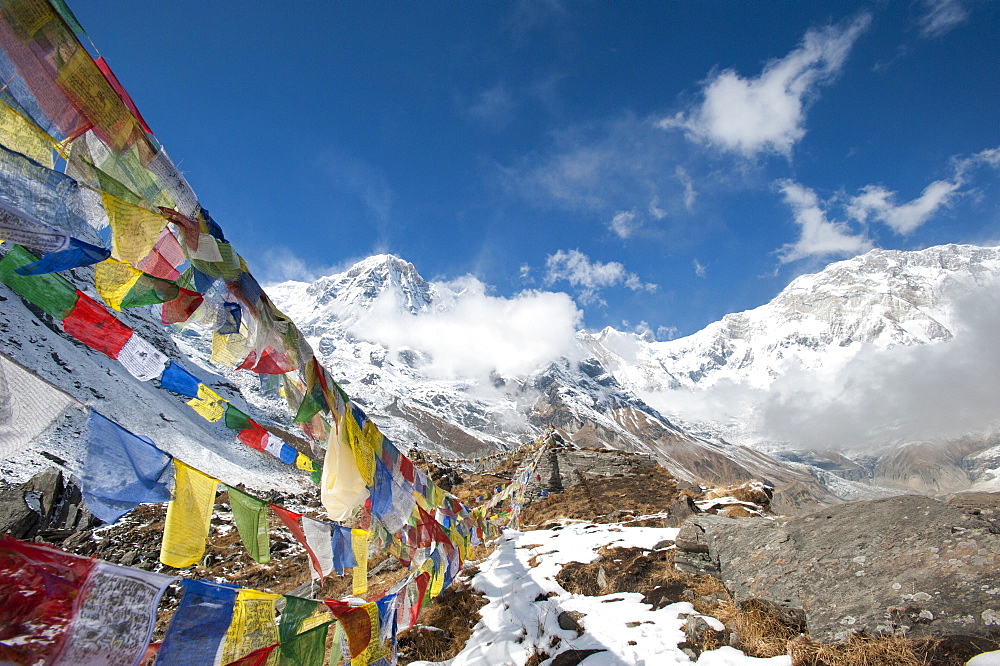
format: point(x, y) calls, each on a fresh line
point(36, 341)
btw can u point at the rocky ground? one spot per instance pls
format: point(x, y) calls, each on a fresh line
point(755, 582)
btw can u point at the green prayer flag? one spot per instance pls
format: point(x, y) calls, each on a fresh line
point(309, 408)
point(51, 292)
point(296, 611)
point(237, 420)
point(305, 649)
point(250, 516)
point(149, 290)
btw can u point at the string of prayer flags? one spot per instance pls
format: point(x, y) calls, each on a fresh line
point(121, 470)
point(51, 293)
point(90, 323)
point(253, 626)
point(28, 406)
point(328, 545)
point(189, 516)
point(39, 587)
point(250, 516)
point(199, 624)
point(114, 623)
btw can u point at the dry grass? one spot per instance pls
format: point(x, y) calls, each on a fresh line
point(856, 651)
point(443, 627)
point(607, 499)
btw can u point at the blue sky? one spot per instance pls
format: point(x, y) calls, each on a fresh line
point(663, 163)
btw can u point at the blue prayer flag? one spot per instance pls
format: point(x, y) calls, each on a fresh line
point(175, 378)
point(199, 624)
point(121, 470)
point(77, 254)
point(343, 553)
point(287, 454)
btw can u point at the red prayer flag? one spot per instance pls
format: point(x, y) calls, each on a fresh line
point(39, 587)
point(182, 307)
point(255, 658)
point(120, 91)
point(94, 326)
point(293, 522)
point(255, 439)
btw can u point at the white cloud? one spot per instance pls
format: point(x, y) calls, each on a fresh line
point(818, 236)
point(479, 333)
point(877, 203)
point(937, 391)
point(654, 208)
point(699, 269)
point(279, 264)
point(494, 108)
point(589, 277)
point(940, 16)
point(623, 224)
point(766, 114)
point(689, 194)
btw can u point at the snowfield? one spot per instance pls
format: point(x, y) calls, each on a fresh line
point(525, 600)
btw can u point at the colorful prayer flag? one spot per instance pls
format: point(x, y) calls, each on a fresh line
point(199, 624)
point(189, 517)
point(116, 616)
point(121, 470)
point(250, 516)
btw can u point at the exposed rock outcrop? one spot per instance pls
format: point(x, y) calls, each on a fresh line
point(907, 565)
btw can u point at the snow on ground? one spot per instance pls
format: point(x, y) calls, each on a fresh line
point(525, 600)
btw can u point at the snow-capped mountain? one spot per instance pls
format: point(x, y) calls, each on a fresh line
point(618, 389)
point(884, 298)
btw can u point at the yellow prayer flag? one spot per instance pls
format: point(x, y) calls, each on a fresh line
point(437, 580)
point(23, 136)
point(209, 404)
point(189, 515)
point(303, 462)
point(229, 349)
point(364, 456)
point(253, 626)
point(134, 229)
point(114, 279)
point(359, 544)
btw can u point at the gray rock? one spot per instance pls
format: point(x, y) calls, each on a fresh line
point(909, 565)
point(682, 509)
point(16, 517)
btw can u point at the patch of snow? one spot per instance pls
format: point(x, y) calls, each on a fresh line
point(525, 600)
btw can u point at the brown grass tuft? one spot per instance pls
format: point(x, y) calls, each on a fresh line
point(444, 627)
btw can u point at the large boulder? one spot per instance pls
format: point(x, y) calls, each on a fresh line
point(907, 565)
